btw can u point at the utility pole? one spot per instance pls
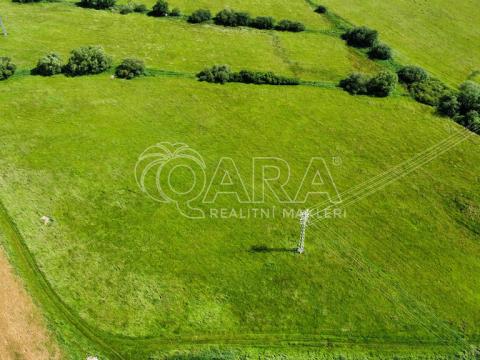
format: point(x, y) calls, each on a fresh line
point(303, 226)
point(4, 30)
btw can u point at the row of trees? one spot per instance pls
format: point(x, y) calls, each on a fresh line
point(364, 37)
point(86, 60)
point(222, 74)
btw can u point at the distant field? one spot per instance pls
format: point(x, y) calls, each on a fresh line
point(440, 35)
point(172, 44)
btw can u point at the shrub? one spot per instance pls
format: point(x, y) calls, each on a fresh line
point(87, 60)
point(125, 9)
point(361, 37)
point(448, 105)
point(26, 1)
point(260, 77)
point(139, 8)
point(229, 17)
point(130, 68)
point(216, 74)
point(469, 97)
point(412, 74)
point(263, 22)
point(7, 68)
point(380, 51)
point(48, 65)
point(429, 91)
point(288, 25)
point(175, 12)
point(382, 84)
point(160, 8)
point(355, 84)
point(97, 4)
point(321, 9)
point(199, 16)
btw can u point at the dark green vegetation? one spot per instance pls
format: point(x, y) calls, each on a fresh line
point(222, 74)
point(7, 68)
point(50, 64)
point(123, 277)
point(361, 37)
point(130, 68)
point(97, 4)
point(159, 9)
point(199, 16)
point(87, 60)
point(380, 85)
point(380, 51)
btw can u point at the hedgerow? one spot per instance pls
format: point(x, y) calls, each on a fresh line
point(321, 9)
point(361, 37)
point(464, 106)
point(232, 18)
point(97, 4)
point(159, 9)
point(48, 65)
point(288, 25)
point(175, 12)
point(130, 68)
point(222, 74)
point(379, 85)
point(429, 91)
point(263, 22)
point(411, 74)
point(380, 51)
point(87, 60)
point(25, 1)
point(199, 16)
point(7, 68)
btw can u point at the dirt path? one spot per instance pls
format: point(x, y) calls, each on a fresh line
point(23, 334)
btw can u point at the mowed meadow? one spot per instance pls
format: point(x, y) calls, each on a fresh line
point(129, 277)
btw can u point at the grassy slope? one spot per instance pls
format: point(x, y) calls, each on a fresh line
point(439, 35)
point(400, 268)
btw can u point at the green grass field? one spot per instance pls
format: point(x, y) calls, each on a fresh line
point(123, 276)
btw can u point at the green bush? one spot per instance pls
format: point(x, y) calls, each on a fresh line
point(199, 16)
point(382, 84)
point(469, 97)
point(160, 9)
point(217, 74)
point(48, 65)
point(321, 9)
point(380, 51)
point(139, 8)
point(7, 68)
point(87, 60)
point(222, 74)
point(361, 37)
point(412, 74)
point(130, 68)
point(428, 92)
point(355, 84)
point(97, 4)
point(288, 25)
point(26, 1)
point(448, 105)
point(175, 12)
point(228, 17)
point(125, 9)
point(260, 78)
point(263, 22)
